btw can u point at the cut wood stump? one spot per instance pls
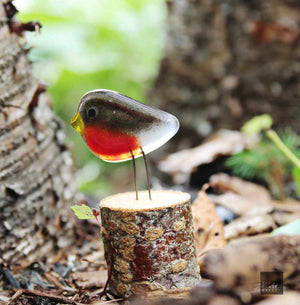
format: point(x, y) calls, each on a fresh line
point(152, 240)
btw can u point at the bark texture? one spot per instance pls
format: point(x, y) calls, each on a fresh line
point(152, 240)
point(35, 172)
point(226, 61)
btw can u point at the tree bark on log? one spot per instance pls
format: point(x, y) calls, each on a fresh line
point(226, 61)
point(35, 165)
point(152, 242)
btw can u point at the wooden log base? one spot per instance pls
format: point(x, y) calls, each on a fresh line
point(153, 242)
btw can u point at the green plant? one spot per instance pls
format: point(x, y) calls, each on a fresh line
point(272, 159)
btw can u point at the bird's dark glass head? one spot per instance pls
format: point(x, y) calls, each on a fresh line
point(113, 111)
point(90, 110)
point(91, 105)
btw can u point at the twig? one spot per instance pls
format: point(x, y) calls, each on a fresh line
point(57, 298)
point(15, 297)
point(273, 136)
point(52, 279)
point(75, 297)
point(98, 264)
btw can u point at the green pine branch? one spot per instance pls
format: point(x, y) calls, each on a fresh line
point(267, 161)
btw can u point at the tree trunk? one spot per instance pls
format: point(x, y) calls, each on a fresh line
point(35, 172)
point(226, 61)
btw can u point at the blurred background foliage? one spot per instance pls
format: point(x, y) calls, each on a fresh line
point(92, 44)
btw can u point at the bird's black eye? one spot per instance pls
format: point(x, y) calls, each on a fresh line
point(92, 112)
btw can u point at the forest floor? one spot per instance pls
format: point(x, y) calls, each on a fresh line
point(240, 261)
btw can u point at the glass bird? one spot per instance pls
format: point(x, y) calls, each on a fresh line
point(117, 128)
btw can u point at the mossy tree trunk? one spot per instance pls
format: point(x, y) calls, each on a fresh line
point(35, 172)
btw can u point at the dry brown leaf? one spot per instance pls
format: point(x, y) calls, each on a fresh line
point(238, 266)
point(282, 218)
point(285, 211)
point(258, 212)
point(289, 298)
point(290, 206)
point(240, 196)
point(181, 164)
point(90, 279)
point(208, 228)
point(249, 225)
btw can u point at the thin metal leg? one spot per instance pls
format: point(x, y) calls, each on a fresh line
point(134, 175)
point(148, 174)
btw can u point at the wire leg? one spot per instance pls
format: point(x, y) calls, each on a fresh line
point(147, 172)
point(134, 175)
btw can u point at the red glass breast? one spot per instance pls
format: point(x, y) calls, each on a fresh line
point(113, 146)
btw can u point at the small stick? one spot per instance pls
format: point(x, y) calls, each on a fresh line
point(147, 172)
point(15, 297)
point(134, 175)
point(56, 298)
point(52, 279)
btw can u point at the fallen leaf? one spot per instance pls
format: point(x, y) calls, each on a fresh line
point(208, 228)
point(90, 279)
point(282, 217)
point(258, 212)
point(238, 267)
point(240, 196)
point(181, 164)
point(249, 225)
